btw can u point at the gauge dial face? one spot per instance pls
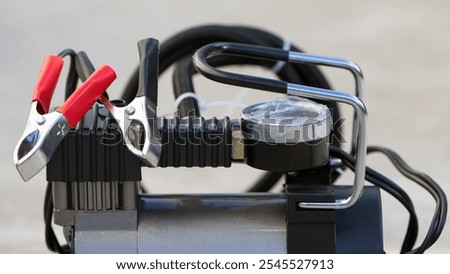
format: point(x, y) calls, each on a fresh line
point(287, 120)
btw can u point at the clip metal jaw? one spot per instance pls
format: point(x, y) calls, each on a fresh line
point(139, 116)
point(39, 141)
point(136, 118)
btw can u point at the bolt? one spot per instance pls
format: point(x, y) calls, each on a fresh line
point(40, 120)
point(130, 110)
point(335, 162)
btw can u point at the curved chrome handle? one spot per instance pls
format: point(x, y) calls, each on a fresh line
point(361, 138)
point(300, 57)
point(200, 61)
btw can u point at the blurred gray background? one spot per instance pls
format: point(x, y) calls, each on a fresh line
point(403, 48)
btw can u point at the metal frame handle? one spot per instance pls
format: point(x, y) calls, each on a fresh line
point(200, 61)
point(300, 57)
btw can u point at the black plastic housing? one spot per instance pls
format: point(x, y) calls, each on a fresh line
point(95, 151)
point(195, 142)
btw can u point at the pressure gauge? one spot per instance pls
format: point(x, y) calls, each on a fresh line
point(286, 134)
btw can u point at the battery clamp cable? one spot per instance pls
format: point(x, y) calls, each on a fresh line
point(255, 46)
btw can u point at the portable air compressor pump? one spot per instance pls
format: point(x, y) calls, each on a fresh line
point(94, 157)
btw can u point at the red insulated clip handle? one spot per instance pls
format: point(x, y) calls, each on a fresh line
point(87, 94)
point(46, 83)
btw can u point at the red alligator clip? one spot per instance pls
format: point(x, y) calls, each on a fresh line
point(44, 131)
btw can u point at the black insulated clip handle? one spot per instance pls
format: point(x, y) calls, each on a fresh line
point(148, 69)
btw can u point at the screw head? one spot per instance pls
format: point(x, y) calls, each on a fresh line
point(130, 110)
point(40, 120)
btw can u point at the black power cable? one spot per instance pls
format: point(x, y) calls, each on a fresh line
point(426, 182)
point(439, 216)
point(390, 187)
point(72, 76)
point(50, 238)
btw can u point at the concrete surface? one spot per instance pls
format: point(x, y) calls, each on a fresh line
point(402, 47)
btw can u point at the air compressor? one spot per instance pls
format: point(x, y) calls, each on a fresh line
point(94, 149)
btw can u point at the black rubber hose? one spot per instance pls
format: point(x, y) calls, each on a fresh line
point(185, 43)
point(184, 72)
point(182, 83)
